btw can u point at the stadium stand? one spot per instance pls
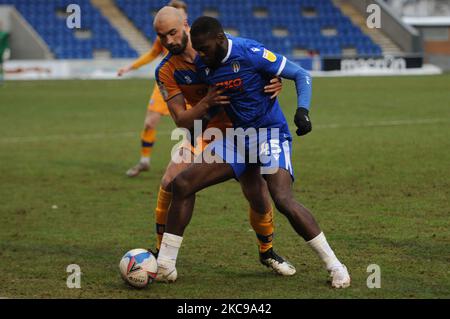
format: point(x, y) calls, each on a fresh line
point(48, 18)
point(290, 26)
point(296, 28)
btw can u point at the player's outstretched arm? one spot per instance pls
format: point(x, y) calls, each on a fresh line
point(303, 84)
point(144, 59)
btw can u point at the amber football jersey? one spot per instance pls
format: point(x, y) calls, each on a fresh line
point(176, 76)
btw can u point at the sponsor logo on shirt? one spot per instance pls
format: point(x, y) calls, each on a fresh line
point(230, 84)
point(269, 56)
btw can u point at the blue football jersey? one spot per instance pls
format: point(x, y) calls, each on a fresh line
point(246, 69)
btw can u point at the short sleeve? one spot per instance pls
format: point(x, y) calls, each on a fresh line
point(265, 60)
point(166, 82)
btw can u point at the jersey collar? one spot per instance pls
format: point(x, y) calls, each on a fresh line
point(230, 44)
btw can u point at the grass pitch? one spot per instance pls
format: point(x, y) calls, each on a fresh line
point(375, 171)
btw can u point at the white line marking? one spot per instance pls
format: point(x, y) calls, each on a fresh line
point(101, 136)
point(32, 139)
point(382, 123)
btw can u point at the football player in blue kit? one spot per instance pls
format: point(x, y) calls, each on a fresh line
point(243, 67)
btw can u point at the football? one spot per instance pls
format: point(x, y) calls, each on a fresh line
point(138, 267)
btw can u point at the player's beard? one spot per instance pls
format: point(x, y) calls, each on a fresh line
point(177, 49)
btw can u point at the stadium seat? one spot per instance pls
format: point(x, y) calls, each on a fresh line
point(302, 31)
point(62, 41)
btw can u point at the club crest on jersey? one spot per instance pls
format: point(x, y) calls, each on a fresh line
point(207, 71)
point(269, 56)
point(188, 79)
point(236, 66)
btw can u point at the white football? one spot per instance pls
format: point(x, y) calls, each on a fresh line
point(138, 267)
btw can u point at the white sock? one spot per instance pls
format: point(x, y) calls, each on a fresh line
point(168, 252)
point(145, 160)
point(320, 245)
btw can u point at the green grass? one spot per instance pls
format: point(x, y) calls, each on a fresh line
point(381, 193)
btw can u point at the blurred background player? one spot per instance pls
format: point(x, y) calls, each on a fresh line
point(156, 106)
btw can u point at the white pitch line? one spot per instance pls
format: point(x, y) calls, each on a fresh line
point(32, 139)
point(100, 136)
point(382, 123)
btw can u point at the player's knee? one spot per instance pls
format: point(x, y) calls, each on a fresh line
point(252, 198)
point(258, 199)
point(283, 202)
point(165, 182)
point(180, 186)
point(151, 120)
point(149, 125)
point(260, 205)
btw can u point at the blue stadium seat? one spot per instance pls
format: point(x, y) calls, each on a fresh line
point(42, 15)
point(303, 32)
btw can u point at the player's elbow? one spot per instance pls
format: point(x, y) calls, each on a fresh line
point(309, 77)
point(304, 75)
point(308, 74)
point(177, 120)
point(182, 122)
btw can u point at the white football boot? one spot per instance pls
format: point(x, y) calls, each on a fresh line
point(339, 277)
point(277, 263)
point(166, 275)
point(137, 169)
